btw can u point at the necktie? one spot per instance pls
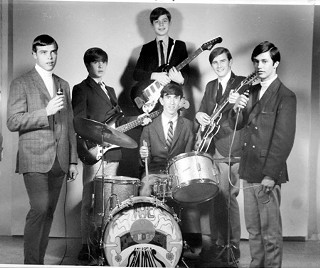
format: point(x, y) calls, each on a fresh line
point(162, 60)
point(170, 135)
point(219, 93)
point(104, 89)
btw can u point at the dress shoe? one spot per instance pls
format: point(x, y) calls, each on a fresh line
point(208, 258)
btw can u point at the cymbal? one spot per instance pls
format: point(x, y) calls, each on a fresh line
point(102, 134)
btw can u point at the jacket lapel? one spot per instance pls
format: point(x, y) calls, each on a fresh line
point(95, 87)
point(259, 105)
point(159, 129)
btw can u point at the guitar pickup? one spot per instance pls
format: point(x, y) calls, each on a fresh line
point(139, 102)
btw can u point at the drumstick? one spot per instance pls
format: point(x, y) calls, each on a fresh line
point(146, 161)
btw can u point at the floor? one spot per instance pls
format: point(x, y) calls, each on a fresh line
point(297, 254)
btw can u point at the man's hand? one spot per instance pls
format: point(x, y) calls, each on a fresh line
point(55, 105)
point(162, 78)
point(176, 76)
point(73, 173)
point(203, 118)
point(240, 103)
point(233, 96)
point(267, 184)
point(144, 152)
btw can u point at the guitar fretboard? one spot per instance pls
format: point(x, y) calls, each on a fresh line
point(135, 123)
point(189, 59)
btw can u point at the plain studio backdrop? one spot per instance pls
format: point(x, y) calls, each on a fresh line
point(120, 28)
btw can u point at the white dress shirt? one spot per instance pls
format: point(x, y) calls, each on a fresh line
point(47, 79)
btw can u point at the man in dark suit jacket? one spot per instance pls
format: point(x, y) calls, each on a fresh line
point(150, 59)
point(268, 119)
point(94, 100)
point(154, 147)
point(216, 93)
point(39, 108)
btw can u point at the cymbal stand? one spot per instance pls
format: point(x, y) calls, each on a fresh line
point(101, 260)
point(231, 259)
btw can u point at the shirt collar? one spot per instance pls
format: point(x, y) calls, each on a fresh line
point(97, 80)
point(43, 73)
point(267, 83)
point(166, 119)
point(165, 40)
point(224, 80)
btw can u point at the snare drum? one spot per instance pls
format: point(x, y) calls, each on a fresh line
point(142, 232)
point(115, 190)
point(197, 177)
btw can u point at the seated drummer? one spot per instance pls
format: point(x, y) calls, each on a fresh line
point(155, 147)
point(166, 137)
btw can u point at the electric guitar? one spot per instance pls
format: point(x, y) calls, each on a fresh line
point(206, 133)
point(147, 93)
point(90, 152)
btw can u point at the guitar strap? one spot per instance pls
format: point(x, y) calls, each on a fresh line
point(171, 51)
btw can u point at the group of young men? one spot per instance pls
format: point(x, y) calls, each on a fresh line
point(255, 138)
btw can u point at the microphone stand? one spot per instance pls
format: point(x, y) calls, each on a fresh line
point(231, 259)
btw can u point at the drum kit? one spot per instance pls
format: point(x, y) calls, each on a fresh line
point(140, 231)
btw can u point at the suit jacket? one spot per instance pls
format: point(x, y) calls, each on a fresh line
point(269, 131)
point(148, 60)
point(153, 134)
point(90, 101)
point(222, 140)
point(42, 138)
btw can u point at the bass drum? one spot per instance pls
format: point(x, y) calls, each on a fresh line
point(142, 232)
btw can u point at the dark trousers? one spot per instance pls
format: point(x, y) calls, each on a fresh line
point(43, 191)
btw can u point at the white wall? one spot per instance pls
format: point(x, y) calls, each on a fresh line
point(121, 29)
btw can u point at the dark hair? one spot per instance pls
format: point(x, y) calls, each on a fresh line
point(172, 89)
point(264, 47)
point(95, 54)
point(218, 51)
point(43, 40)
point(157, 12)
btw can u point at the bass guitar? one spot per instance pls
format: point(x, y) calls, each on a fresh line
point(147, 93)
point(206, 133)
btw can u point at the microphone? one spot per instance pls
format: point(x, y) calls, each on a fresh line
point(246, 93)
point(59, 91)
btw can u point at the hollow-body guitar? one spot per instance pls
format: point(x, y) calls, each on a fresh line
point(206, 133)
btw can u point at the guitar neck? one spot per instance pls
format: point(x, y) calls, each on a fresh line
point(189, 59)
point(138, 122)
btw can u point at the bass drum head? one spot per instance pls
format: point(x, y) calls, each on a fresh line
point(142, 232)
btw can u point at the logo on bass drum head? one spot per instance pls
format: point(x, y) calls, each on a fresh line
point(142, 231)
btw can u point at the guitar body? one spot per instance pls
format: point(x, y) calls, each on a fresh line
point(89, 152)
point(205, 135)
point(139, 94)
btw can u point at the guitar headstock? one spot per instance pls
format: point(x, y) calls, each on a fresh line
point(184, 103)
point(251, 78)
point(210, 44)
